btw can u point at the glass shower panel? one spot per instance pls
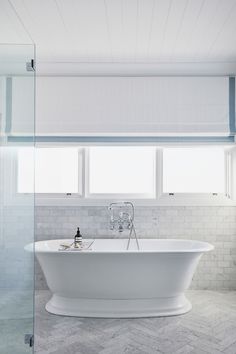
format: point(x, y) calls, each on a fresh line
point(17, 83)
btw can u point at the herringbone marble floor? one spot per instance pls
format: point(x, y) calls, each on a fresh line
point(209, 328)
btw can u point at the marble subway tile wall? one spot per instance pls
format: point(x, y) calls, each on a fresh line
point(217, 225)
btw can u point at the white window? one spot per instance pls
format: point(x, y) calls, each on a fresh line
point(57, 170)
point(188, 175)
point(122, 171)
point(193, 170)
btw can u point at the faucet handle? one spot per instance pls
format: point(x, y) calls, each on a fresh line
point(112, 225)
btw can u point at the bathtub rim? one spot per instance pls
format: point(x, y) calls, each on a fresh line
point(202, 247)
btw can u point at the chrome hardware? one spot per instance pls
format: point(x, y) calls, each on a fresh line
point(122, 218)
point(30, 65)
point(29, 339)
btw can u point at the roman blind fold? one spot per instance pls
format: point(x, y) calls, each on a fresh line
point(128, 106)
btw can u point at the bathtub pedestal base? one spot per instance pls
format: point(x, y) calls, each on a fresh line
point(127, 308)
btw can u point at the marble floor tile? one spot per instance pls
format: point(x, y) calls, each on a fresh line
point(210, 328)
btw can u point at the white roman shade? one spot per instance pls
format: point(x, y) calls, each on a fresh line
point(129, 106)
point(21, 121)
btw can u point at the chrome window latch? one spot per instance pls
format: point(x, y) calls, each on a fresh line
point(30, 65)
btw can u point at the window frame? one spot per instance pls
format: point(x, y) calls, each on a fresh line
point(44, 198)
point(197, 198)
point(160, 199)
point(81, 182)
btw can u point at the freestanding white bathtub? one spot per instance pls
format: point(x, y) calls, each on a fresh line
point(109, 281)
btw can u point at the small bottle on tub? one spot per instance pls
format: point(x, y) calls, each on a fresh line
point(78, 239)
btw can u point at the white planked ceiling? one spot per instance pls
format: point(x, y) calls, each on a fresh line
point(126, 31)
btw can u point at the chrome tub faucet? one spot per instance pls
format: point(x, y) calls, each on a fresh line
point(122, 218)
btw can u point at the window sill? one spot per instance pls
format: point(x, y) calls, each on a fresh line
point(164, 200)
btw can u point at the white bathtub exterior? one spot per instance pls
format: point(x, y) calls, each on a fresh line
point(108, 281)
